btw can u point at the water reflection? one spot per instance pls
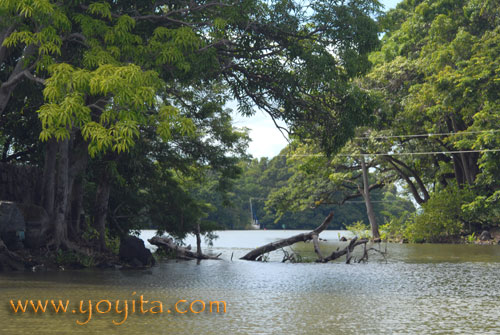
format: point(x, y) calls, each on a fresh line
point(237, 243)
point(422, 289)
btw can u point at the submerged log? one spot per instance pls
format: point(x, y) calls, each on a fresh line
point(346, 251)
point(254, 254)
point(167, 244)
point(258, 253)
point(317, 250)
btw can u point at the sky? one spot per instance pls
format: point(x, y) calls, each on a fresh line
point(266, 139)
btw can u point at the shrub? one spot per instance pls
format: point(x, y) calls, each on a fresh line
point(395, 226)
point(441, 218)
point(359, 229)
point(73, 258)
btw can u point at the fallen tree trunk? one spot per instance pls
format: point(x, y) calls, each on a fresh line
point(346, 251)
point(167, 244)
point(256, 253)
point(317, 250)
point(314, 236)
point(364, 258)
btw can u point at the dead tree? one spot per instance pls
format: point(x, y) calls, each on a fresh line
point(258, 253)
point(168, 245)
point(345, 251)
point(254, 254)
point(364, 258)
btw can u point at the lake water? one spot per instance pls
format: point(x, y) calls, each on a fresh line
point(419, 289)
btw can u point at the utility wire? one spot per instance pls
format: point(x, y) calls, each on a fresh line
point(381, 137)
point(374, 201)
point(399, 153)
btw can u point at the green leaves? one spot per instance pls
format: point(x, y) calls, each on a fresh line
point(132, 91)
point(442, 219)
point(103, 9)
point(47, 40)
point(438, 72)
point(120, 137)
point(169, 121)
point(107, 97)
point(58, 119)
point(171, 46)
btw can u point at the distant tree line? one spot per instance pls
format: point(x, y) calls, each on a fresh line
point(261, 181)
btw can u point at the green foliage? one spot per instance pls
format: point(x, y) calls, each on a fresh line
point(143, 88)
point(100, 8)
point(360, 229)
point(112, 242)
point(437, 71)
point(484, 210)
point(267, 181)
point(471, 238)
point(107, 72)
point(319, 183)
point(89, 233)
point(73, 258)
point(441, 219)
point(395, 227)
point(210, 237)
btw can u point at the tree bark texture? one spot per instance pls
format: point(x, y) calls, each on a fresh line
point(345, 251)
point(366, 196)
point(317, 249)
point(254, 254)
point(49, 177)
point(78, 163)
point(61, 195)
point(101, 208)
point(198, 240)
point(168, 245)
point(399, 166)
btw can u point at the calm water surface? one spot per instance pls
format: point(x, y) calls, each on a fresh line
point(421, 289)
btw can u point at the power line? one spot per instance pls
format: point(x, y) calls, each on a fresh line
point(375, 201)
point(399, 153)
point(427, 135)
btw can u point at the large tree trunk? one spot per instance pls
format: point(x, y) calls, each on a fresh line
point(78, 164)
point(458, 170)
point(369, 207)
point(49, 177)
point(468, 161)
point(101, 207)
point(62, 195)
point(256, 253)
point(313, 235)
point(63, 164)
point(76, 209)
